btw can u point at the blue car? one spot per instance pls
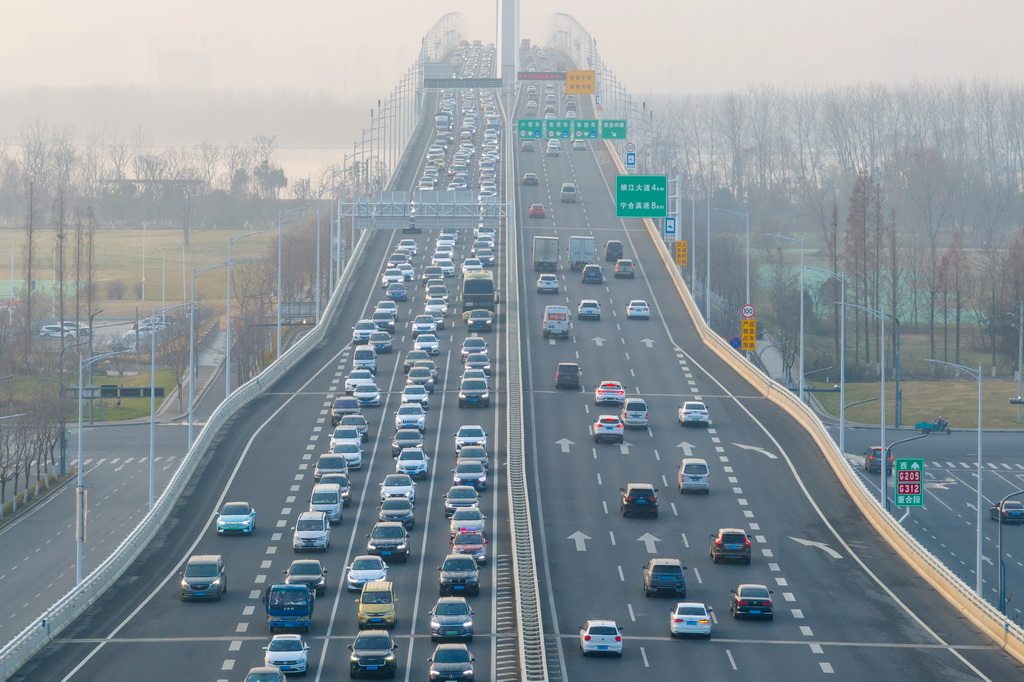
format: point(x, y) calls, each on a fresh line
point(397, 292)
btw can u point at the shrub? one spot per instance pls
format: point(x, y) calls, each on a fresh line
point(116, 289)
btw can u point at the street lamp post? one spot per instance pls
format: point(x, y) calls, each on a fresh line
point(799, 242)
point(1020, 354)
point(184, 298)
point(999, 544)
point(227, 353)
point(163, 276)
point(145, 224)
point(881, 315)
point(192, 347)
point(977, 374)
point(842, 353)
point(152, 400)
point(80, 487)
point(280, 300)
point(746, 218)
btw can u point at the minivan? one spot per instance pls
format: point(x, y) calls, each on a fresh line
point(634, 413)
point(365, 357)
point(694, 476)
point(567, 375)
point(568, 193)
point(613, 250)
point(327, 498)
point(312, 531)
point(556, 321)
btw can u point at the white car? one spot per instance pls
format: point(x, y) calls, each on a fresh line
point(427, 342)
point(601, 637)
point(387, 307)
point(356, 378)
point(287, 653)
point(352, 452)
point(391, 276)
point(447, 266)
point(367, 394)
point(470, 434)
point(609, 392)
point(364, 569)
point(414, 393)
point(423, 324)
point(346, 434)
point(398, 485)
point(693, 412)
point(444, 251)
point(547, 284)
point(409, 244)
point(436, 305)
point(408, 271)
point(312, 531)
point(412, 461)
point(411, 416)
point(690, 618)
point(638, 309)
point(361, 332)
point(471, 264)
point(447, 239)
point(468, 520)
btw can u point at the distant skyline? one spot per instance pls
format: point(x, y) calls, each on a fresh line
point(359, 50)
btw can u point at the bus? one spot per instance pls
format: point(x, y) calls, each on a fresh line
point(478, 290)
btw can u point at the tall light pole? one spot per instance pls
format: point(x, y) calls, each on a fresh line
point(192, 346)
point(227, 354)
point(1020, 353)
point(319, 211)
point(280, 300)
point(881, 315)
point(184, 298)
point(80, 487)
point(145, 224)
point(746, 218)
point(800, 242)
point(842, 353)
point(163, 276)
point(977, 374)
point(152, 401)
point(10, 287)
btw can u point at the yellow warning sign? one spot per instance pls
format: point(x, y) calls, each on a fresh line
point(579, 82)
point(748, 334)
point(682, 252)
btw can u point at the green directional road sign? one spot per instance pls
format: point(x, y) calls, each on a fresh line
point(585, 128)
point(908, 482)
point(641, 196)
point(530, 127)
point(558, 127)
point(613, 129)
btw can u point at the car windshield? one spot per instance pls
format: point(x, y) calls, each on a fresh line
point(324, 498)
point(733, 538)
point(289, 644)
point(474, 385)
point(347, 432)
point(309, 524)
point(205, 570)
point(305, 568)
point(387, 532)
point(469, 539)
point(342, 448)
point(460, 494)
point(408, 435)
point(471, 433)
point(695, 469)
point(396, 503)
point(667, 570)
point(418, 372)
point(460, 564)
point(410, 409)
point(467, 515)
point(332, 463)
point(424, 319)
point(470, 468)
point(285, 597)
point(367, 564)
point(367, 642)
point(452, 608)
point(451, 656)
point(375, 597)
point(396, 479)
point(235, 509)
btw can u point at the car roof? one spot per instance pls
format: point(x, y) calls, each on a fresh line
point(593, 622)
point(732, 530)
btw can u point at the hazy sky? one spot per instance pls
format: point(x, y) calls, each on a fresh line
point(360, 49)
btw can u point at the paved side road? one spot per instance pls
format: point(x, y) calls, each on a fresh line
point(37, 549)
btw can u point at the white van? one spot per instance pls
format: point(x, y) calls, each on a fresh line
point(312, 531)
point(365, 357)
point(568, 192)
point(556, 321)
point(694, 475)
point(634, 413)
point(327, 498)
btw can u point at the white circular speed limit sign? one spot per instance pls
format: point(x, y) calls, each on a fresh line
point(747, 311)
point(630, 147)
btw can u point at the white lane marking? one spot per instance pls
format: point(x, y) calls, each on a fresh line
point(622, 577)
point(797, 613)
point(235, 645)
point(229, 664)
point(632, 616)
point(816, 649)
point(806, 631)
point(643, 655)
point(611, 534)
point(826, 667)
point(248, 610)
point(788, 596)
point(732, 661)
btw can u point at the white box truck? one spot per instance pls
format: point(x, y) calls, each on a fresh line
point(581, 252)
point(545, 253)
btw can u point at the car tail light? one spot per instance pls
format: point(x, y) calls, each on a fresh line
point(767, 602)
point(742, 602)
point(703, 621)
point(677, 620)
point(586, 638)
point(718, 541)
point(748, 541)
point(618, 638)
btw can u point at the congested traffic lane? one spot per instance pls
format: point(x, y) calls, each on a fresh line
point(765, 476)
point(267, 458)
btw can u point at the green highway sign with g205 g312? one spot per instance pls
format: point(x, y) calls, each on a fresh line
point(908, 482)
point(530, 128)
point(641, 196)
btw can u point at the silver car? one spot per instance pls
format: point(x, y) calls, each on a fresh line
point(411, 416)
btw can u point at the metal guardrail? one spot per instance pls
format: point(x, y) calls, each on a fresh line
point(532, 653)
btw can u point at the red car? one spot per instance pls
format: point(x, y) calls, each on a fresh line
point(537, 211)
point(472, 543)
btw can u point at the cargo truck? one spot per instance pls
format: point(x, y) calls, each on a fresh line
point(289, 606)
point(545, 253)
point(581, 252)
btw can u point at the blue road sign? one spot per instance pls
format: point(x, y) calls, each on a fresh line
point(735, 342)
point(670, 225)
point(631, 159)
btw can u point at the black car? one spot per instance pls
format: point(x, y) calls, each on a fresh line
point(480, 319)
point(592, 274)
point(639, 498)
point(421, 376)
point(730, 543)
point(1012, 512)
point(399, 510)
point(384, 321)
point(568, 375)
point(458, 575)
point(613, 251)
point(204, 577)
point(451, 662)
point(406, 438)
point(474, 392)
point(389, 539)
point(412, 357)
point(460, 496)
point(307, 572)
point(373, 655)
point(451, 618)
point(663, 576)
point(751, 601)
point(343, 407)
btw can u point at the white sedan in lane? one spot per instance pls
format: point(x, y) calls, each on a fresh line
point(427, 342)
point(436, 304)
point(398, 485)
point(690, 618)
point(364, 569)
point(471, 264)
point(356, 378)
point(638, 310)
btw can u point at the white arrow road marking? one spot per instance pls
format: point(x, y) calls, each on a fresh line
point(649, 540)
point(820, 545)
point(564, 443)
point(687, 448)
point(624, 447)
point(647, 342)
point(764, 452)
point(598, 340)
point(581, 540)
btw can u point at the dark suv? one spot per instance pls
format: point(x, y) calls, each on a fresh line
point(342, 407)
point(664, 576)
point(592, 274)
point(613, 251)
point(389, 539)
point(373, 655)
point(567, 375)
point(204, 578)
point(873, 457)
point(406, 438)
point(639, 498)
point(459, 575)
point(730, 543)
